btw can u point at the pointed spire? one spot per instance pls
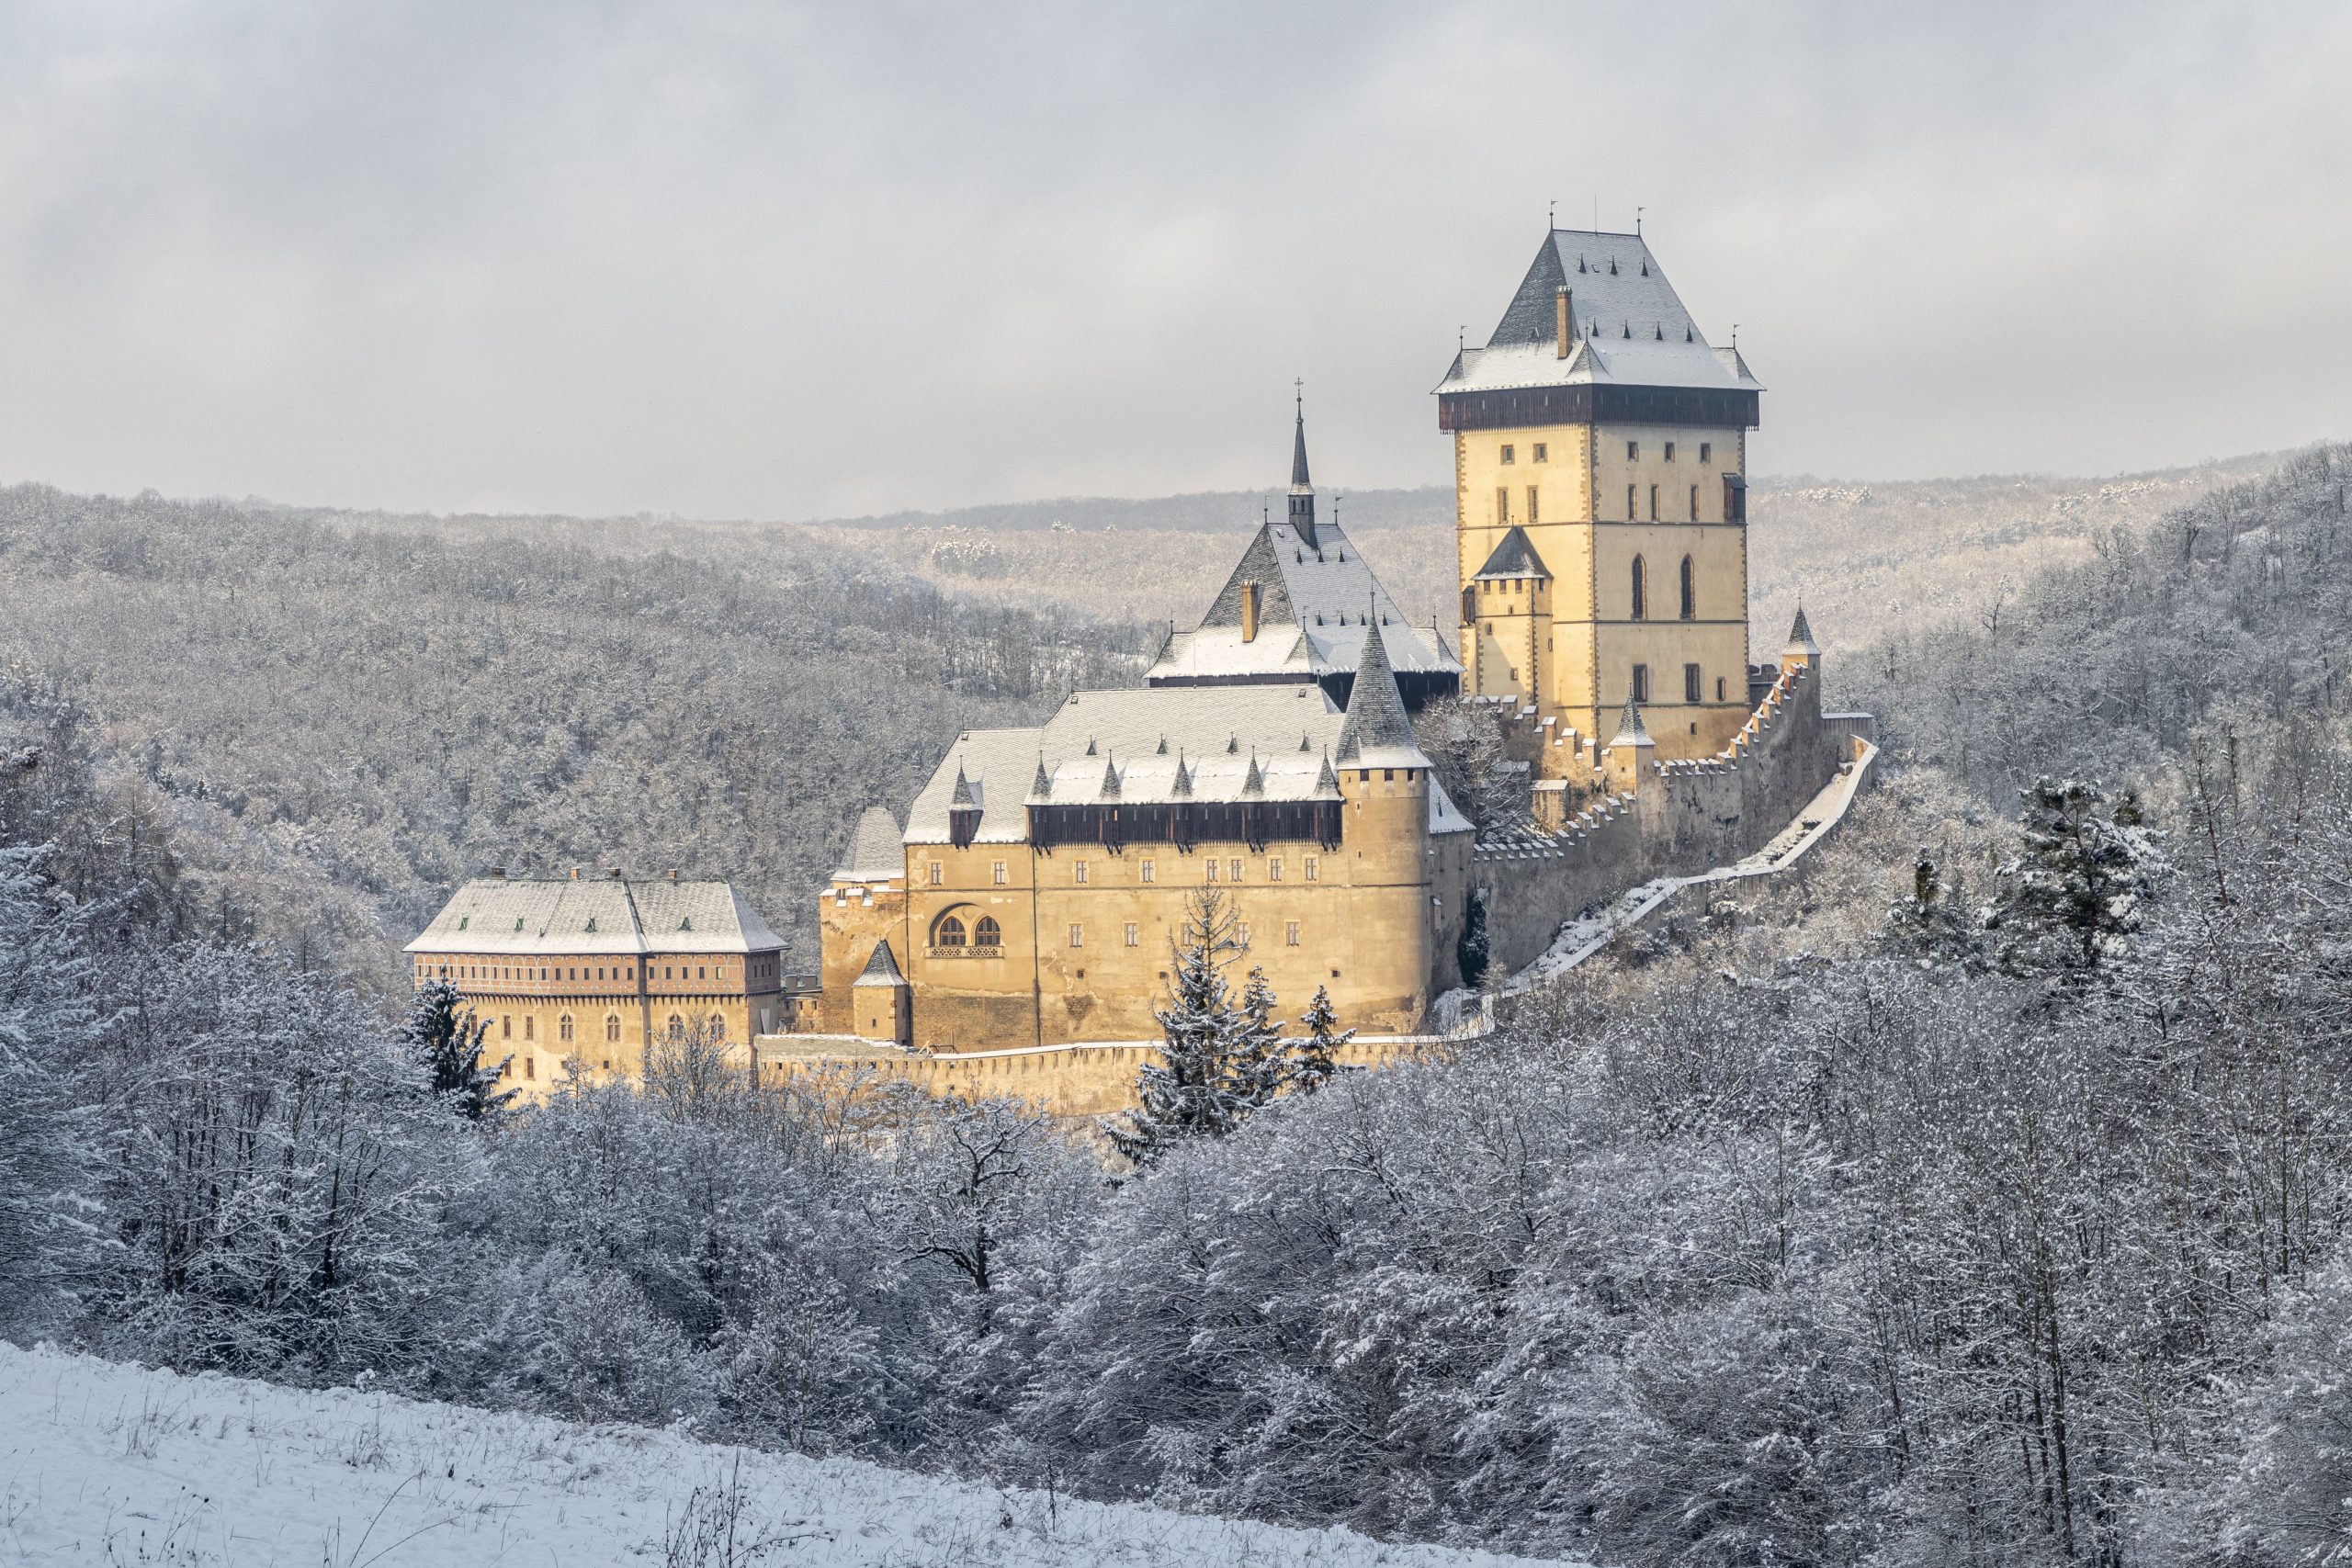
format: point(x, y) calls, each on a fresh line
point(1163, 747)
point(882, 968)
point(1232, 745)
point(1301, 515)
point(1089, 746)
point(1801, 637)
point(963, 795)
point(1301, 742)
point(1376, 720)
point(1111, 779)
point(1042, 787)
point(1183, 788)
point(1326, 782)
point(1253, 782)
point(1631, 730)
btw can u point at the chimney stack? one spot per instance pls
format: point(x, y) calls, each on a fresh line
point(1565, 317)
point(1249, 593)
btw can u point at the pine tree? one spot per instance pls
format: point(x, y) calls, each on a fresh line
point(1470, 949)
point(1259, 1068)
point(2082, 880)
point(1933, 923)
point(446, 1040)
point(1187, 1092)
point(1317, 1059)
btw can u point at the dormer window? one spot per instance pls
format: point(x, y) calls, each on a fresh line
point(463, 920)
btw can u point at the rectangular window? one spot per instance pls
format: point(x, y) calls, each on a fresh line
point(1631, 491)
point(938, 874)
point(1653, 503)
point(1077, 936)
point(1511, 455)
point(1694, 503)
point(1502, 504)
point(998, 870)
point(1706, 450)
point(1632, 450)
point(1134, 937)
point(1148, 871)
point(1542, 453)
point(1670, 451)
point(1208, 871)
point(1290, 933)
point(1241, 932)
point(1719, 688)
point(1533, 516)
point(527, 1027)
point(1274, 869)
point(1235, 871)
point(1691, 690)
point(1311, 868)
point(1641, 682)
point(1079, 872)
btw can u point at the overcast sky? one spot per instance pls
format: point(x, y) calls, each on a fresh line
point(748, 260)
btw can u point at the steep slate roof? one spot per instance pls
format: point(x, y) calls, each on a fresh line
point(1376, 733)
point(1515, 556)
point(1631, 730)
point(876, 853)
point(1314, 603)
point(1801, 635)
point(525, 915)
point(1629, 326)
point(882, 969)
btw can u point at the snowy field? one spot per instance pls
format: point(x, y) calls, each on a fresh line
point(106, 1463)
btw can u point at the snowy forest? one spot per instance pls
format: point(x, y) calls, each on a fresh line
point(1974, 1195)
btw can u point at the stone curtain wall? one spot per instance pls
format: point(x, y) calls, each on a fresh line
point(1683, 817)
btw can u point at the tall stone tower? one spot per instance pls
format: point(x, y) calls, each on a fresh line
point(1600, 460)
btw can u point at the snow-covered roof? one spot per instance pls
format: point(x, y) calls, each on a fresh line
point(592, 916)
point(1315, 601)
point(876, 853)
point(1628, 327)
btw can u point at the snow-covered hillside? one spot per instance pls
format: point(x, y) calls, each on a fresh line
point(101, 1462)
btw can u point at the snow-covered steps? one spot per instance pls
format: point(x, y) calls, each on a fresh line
point(103, 1463)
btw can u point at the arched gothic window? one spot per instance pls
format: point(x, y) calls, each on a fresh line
point(1689, 590)
point(949, 932)
point(1641, 590)
point(985, 932)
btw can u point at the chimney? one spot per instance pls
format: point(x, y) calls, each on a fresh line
point(673, 877)
point(575, 874)
point(1249, 592)
point(615, 873)
point(1564, 316)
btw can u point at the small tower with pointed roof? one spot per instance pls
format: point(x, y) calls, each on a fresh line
point(1302, 489)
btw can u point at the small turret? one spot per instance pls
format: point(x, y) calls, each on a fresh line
point(963, 811)
point(1627, 759)
point(1376, 733)
point(1801, 650)
point(1302, 489)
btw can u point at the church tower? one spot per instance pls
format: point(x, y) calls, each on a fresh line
point(1600, 459)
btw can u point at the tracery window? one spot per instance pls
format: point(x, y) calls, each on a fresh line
point(985, 932)
point(611, 1029)
point(949, 934)
point(563, 1029)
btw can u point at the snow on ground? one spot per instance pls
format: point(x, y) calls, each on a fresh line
point(1587, 934)
point(102, 1462)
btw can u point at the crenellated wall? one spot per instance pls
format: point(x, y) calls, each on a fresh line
point(1681, 816)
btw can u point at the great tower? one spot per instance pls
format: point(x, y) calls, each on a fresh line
point(1600, 460)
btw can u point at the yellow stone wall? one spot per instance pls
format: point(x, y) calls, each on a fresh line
point(1580, 525)
point(1368, 915)
point(851, 918)
point(525, 999)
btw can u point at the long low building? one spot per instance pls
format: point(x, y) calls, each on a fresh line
point(589, 969)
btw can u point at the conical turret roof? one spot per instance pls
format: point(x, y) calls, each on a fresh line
point(1801, 636)
point(882, 969)
point(1631, 730)
point(1376, 732)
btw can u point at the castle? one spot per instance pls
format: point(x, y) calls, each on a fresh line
point(1013, 933)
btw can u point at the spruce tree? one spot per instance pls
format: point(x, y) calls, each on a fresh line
point(1187, 1093)
point(443, 1035)
point(2082, 883)
point(1258, 1068)
point(1318, 1061)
